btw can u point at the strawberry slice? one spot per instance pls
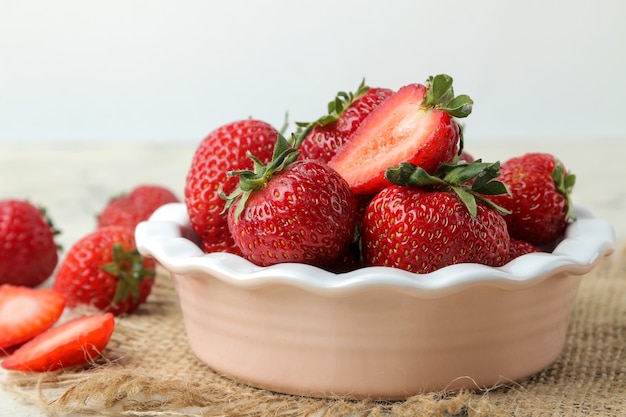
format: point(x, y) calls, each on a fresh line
point(416, 124)
point(26, 312)
point(76, 342)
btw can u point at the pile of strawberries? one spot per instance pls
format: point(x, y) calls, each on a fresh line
point(382, 180)
point(103, 270)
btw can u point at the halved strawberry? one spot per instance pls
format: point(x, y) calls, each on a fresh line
point(75, 342)
point(416, 124)
point(26, 312)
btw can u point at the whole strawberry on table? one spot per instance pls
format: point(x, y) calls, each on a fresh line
point(28, 252)
point(105, 270)
point(129, 209)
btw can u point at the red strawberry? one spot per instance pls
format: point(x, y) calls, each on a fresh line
point(130, 209)
point(28, 253)
point(292, 211)
point(518, 248)
point(104, 269)
point(26, 312)
point(429, 222)
point(345, 114)
point(225, 149)
point(416, 124)
point(539, 201)
point(76, 342)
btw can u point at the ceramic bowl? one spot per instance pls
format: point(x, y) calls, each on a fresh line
point(377, 332)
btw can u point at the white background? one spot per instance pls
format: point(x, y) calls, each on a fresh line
point(159, 70)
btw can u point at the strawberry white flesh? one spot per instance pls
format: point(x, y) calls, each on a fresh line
point(399, 130)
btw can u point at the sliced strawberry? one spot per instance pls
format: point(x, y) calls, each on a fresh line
point(416, 124)
point(76, 342)
point(26, 312)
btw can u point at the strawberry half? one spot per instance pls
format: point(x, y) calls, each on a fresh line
point(26, 312)
point(416, 124)
point(76, 342)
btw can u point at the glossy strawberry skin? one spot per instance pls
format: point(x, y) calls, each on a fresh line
point(519, 247)
point(223, 150)
point(398, 130)
point(128, 210)
point(422, 230)
point(28, 252)
point(305, 214)
point(26, 312)
point(82, 280)
point(538, 209)
point(323, 141)
point(76, 342)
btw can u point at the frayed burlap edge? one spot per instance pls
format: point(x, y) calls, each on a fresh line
point(114, 391)
point(145, 374)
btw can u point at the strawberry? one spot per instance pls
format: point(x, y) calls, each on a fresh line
point(26, 312)
point(129, 209)
point(416, 124)
point(28, 252)
point(225, 149)
point(423, 222)
point(540, 197)
point(75, 342)
point(104, 269)
point(519, 247)
point(345, 114)
point(291, 211)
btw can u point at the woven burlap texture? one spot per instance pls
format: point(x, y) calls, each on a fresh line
point(148, 370)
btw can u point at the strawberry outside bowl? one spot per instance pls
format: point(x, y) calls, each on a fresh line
point(376, 332)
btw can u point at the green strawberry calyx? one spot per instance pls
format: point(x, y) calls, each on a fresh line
point(255, 179)
point(471, 182)
point(128, 267)
point(564, 183)
point(440, 95)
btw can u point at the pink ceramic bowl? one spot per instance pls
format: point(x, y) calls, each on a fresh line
point(376, 332)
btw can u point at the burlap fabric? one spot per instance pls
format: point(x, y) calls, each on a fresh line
point(149, 370)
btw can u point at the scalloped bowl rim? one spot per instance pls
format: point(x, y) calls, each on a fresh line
point(164, 236)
